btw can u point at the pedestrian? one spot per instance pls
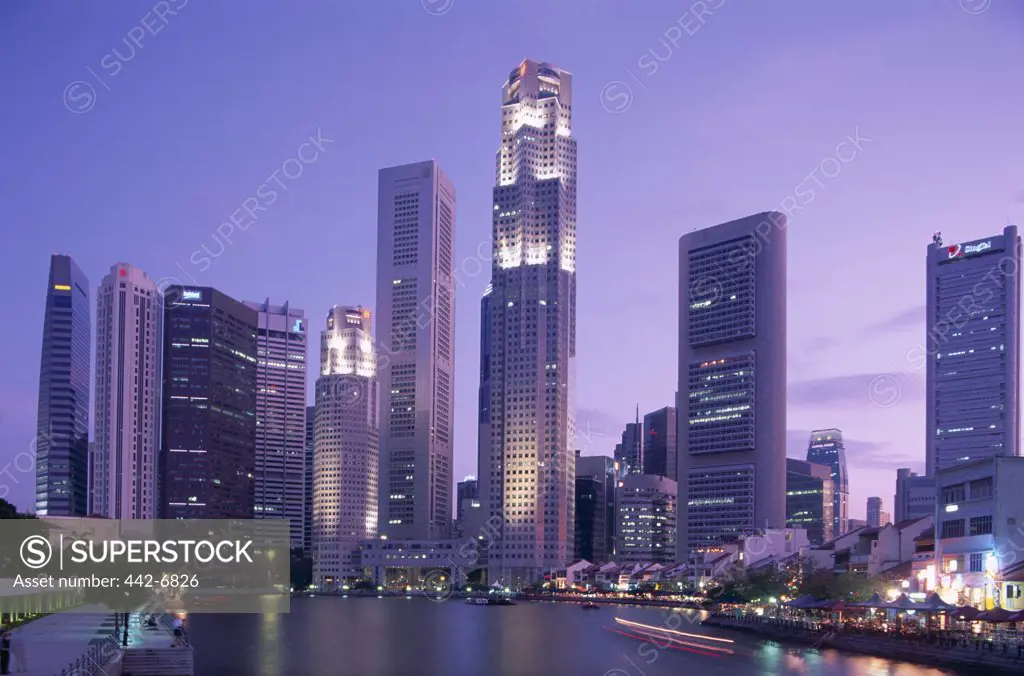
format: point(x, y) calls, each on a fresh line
point(179, 631)
point(18, 653)
point(5, 652)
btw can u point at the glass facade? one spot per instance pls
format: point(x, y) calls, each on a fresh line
point(809, 499)
point(720, 505)
point(62, 423)
point(721, 405)
point(826, 448)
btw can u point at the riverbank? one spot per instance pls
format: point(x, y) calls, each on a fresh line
point(976, 655)
point(539, 598)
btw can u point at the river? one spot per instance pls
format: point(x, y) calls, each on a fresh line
point(335, 636)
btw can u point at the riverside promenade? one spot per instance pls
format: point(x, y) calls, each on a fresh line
point(71, 643)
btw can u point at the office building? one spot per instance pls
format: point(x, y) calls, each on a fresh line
point(345, 447)
point(629, 452)
point(528, 480)
point(416, 324)
point(62, 415)
point(809, 500)
point(467, 489)
point(981, 509)
point(659, 443)
point(731, 402)
point(307, 499)
point(915, 496)
point(596, 483)
point(826, 447)
point(855, 524)
point(483, 440)
point(129, 324)
point(207, 457)
point(279, 479)
point(646, 519)
point(876, 515)
point(972, 350)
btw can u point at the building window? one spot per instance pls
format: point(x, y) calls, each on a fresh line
point(954, 494)
point(953, 529)
point(981, 488)
point(981, 525)
point(976, 563)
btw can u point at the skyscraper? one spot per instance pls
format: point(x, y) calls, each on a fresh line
point(731, 401)
point(483, 441)
point(307, 500)
point(529, 479)
point(207, 457)
point(596, 483)
point(660, 442)
point(129, 322)
point(345, 446)
point(915, 495)
point(62, 421)
point(809, 499)
point(972, 350)
point(630, 451)
point(826, 447)
point(647, 519)
point(876, 517)
point(416, 324)
point(279, 480)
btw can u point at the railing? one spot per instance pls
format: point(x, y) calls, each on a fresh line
point(93, 661)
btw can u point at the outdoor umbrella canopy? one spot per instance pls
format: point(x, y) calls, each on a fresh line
point(1017, 616)
point(874, 602)
point(996, 615)
point(807, 601)
point(902, 602)
point(935, 603)
point(968, 613)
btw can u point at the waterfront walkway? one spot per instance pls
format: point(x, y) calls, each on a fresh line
point(55, 643)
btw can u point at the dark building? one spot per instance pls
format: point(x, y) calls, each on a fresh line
point(467, 489)
point(208, 445)
point(809, 500)
point(660, 443)
point(595, 508)
point(826, 447)
point(630, 452)
point(307, 501)
point(485, 491)
point(62, 422)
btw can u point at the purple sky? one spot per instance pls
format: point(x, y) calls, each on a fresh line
point(732, 121)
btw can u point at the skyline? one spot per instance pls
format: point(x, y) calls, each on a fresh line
point(911, 169)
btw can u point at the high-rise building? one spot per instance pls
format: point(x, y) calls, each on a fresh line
point(416, 324)
point(915, 496)
point(630, 451)
point(826, 447)
point(62, 416)
point(528, 480)
point(467, 489)
point(345, 446)
point(596, 481)
point(307, 500)
point(659, 442)
point(875, 512)
point(809, 500)
point(279, 480)
point(647, 519)
point(483, 442)
point(972, 350)
point(731, 401)
point(207, 457)
point(129, 324)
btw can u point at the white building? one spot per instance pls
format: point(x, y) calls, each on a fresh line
point(416, 349)
point(528, 467)
point(646, 519)
point(129, 354)
point(280, 415)
point(345, 447)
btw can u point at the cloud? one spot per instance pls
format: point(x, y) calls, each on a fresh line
point(1019, 199)
point(597, 432)
point(818, 344)
point(884, 390)
point(908, 318)
point(860, 453)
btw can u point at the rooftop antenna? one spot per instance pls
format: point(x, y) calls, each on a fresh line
point(937, 238)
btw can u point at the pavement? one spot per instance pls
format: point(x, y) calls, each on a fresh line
point(55, 642)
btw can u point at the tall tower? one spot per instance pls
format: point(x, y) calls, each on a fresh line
point(529, 479)
point(416, 324)
point(972, 350)
point(731, 401)
point(826, 447)
point(279, 481)
point(207, 458)
point(345, 446)
point(307, 499)
point(62, 422)
point(129, 323)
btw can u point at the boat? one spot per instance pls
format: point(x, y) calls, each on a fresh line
point(475, 601)
point(500, 602)
point(590, 605)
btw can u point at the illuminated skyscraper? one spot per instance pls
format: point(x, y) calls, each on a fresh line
point(629, 452)
point(62, 424)
point(731, 402)
point(826, 447)
point(129, 323)
point(416, 327)
point(345, 446)
point(528, 480)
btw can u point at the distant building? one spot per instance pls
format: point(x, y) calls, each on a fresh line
point(280, 475)
point(659, 443)
point(596, 479)
point(915, 496)
point(855, 524)
point(630, 451)
point(972, 350)
point(647, 519)
point(809, 499)
point(208, 452)
point(307, 500)
point(826, 447)
point(62, 416)
point(731, 397)
point(876, 516)
point(127, 405)
point(467, 494)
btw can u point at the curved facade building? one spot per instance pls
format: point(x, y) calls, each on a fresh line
point(826, 447)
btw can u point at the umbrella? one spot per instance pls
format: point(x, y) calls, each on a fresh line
point(968, 613)
point(935, 603)
point(902, 602)
point(874, 602)
point(995, 615)
point(805, 602)
point(1017, 616)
